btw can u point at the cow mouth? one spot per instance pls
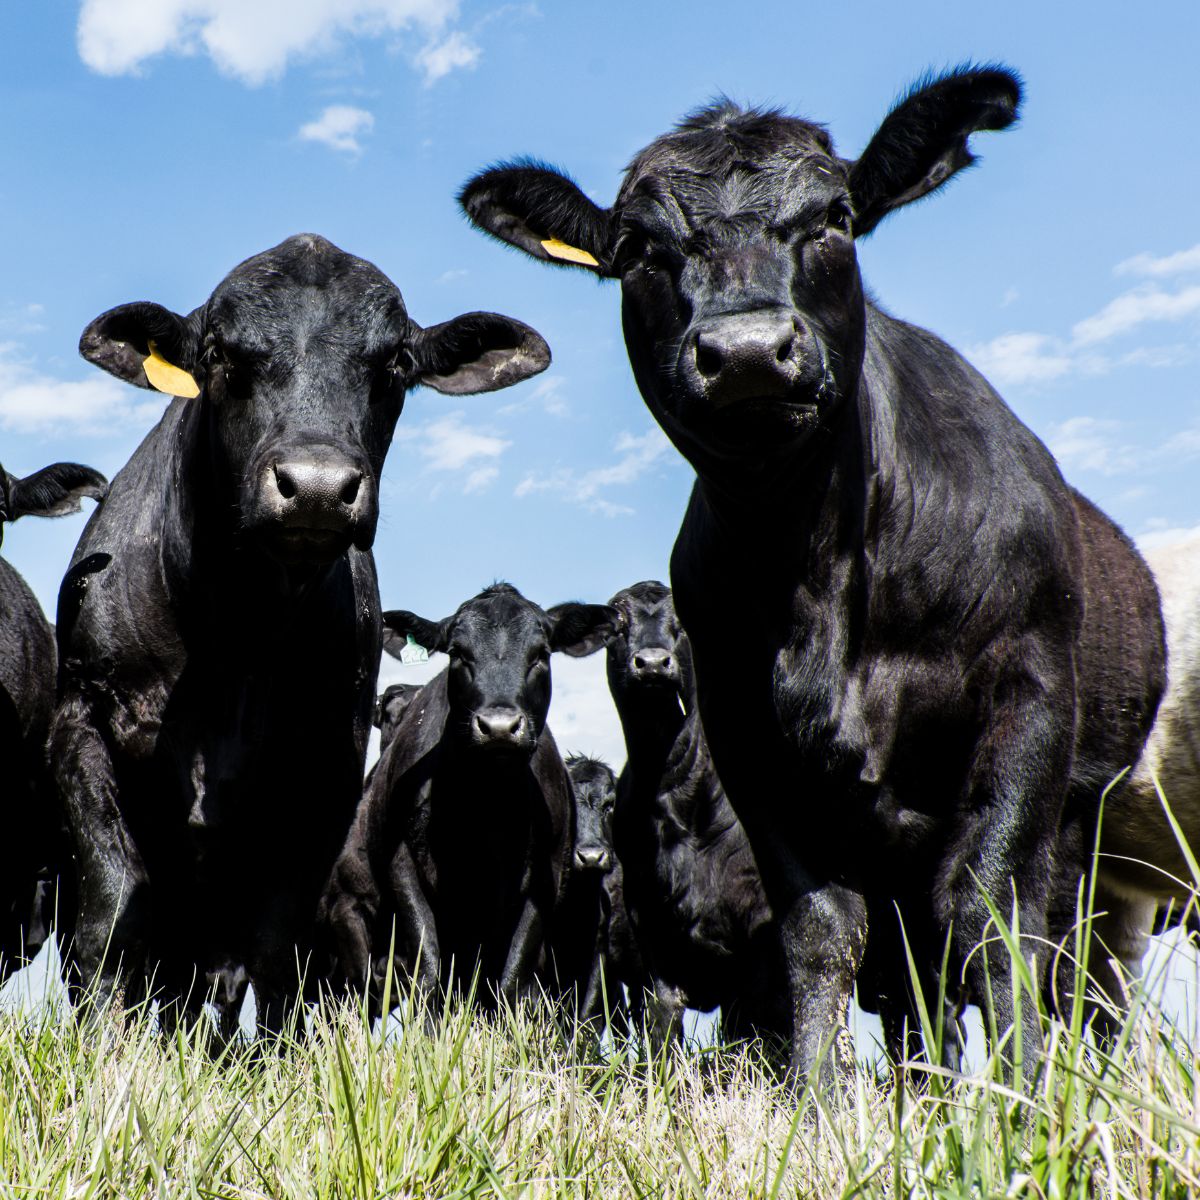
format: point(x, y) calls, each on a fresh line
point(306, 546)
point(757, 418)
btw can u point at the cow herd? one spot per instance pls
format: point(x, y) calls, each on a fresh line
point(899, 666)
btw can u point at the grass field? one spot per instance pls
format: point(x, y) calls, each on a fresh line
point(508, 1107)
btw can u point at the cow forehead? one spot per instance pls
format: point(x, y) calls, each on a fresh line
point(725, 159)
point(502, 620)
point(306, 283)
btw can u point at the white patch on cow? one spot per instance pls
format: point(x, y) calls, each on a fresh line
point(339, 127)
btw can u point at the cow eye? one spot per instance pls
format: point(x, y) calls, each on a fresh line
point(838, 216)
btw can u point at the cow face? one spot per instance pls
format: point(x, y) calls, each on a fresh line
point(733, 240)
point(390, 708)
point(499, 645)
point(644, 654)
point(53, 491)
point(595, 788)
point(301, 359)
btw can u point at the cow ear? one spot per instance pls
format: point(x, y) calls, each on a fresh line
point(582, 629)
point(923, 141)
point(53, 491)
point(399, 625)
point(146, 345)
point(541, 211)
point(478, 352)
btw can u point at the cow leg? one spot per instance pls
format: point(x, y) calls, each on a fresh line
point(1005, 843)
point(1120, 938)
point(517, 982)
point(416, 938)
point(112, 930)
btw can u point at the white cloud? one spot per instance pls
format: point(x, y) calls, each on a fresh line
point(1025, 357)
point(448, 444)
point(1136, 308)
point(1160, 533)
point(256, 40)
point(450, 276)
point(1179, 263)
point(339, 127)
point(99, 406)
point(637, 454)
point(438, 59)
point(1093, 444)
point(546, 394)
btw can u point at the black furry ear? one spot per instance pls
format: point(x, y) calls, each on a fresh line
point(478, 352)
point(53, 491)
point(399, 624)
point(581, 629)
point(541, 211)
point(118, 342)
point(923, 141)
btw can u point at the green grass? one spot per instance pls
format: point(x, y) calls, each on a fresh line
point(506, 1107)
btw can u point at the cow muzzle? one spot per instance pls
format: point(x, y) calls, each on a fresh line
point(767, 361)
point(313, 502)
point(593, 857)
point(502, 729)
point(654, 665)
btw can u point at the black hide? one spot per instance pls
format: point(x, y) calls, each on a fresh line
point(905, 625)
point(36, 884)
point(219, 627)
point(461, 847)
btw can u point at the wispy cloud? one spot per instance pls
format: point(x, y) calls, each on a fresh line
point(548, 394)
point(636, 454)
point(1029, 358)
point(339, 127)
point(256, 40)
point(1160, 267)
point(454, 52)
point(449, 445)
point(33, 402)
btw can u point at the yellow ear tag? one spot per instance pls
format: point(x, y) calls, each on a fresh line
point(557, 249)
point(167, 377)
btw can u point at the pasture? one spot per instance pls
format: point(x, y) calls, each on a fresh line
point(505, 1106)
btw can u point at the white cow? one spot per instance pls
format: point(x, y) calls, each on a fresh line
point(1142, 865)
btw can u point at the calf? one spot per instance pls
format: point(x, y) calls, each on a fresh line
point(704, 932)
point(579, 943)
point(219, 629)
point(461, 848)
point(35, 854)
point(919, 654)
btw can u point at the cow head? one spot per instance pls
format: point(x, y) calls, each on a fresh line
point(733, 239)
point(645, 655)
point(499, 646)
point(53, 491)
point(302, 358)
point(390, 708)
point(595, 789)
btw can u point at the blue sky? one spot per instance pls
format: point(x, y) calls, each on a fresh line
point(150, 145)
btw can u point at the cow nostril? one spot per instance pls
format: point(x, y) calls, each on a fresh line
point(785, 349)
point(708, 361)
point(285, 483)
point(349, 492)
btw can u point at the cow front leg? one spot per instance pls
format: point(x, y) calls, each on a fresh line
point(416, 940)
point(112, 930)
point(525, 954)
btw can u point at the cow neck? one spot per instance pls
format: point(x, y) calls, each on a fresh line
point(651, 724)
point(219, 580)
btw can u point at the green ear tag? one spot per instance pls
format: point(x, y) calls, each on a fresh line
point(412, 653)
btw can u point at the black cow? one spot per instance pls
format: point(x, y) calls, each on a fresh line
point(392, 704)
point(461, 848)
point(920, 654)
point(704, 932)
point(219, 627)
point(579, 941)
point(34, 852)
